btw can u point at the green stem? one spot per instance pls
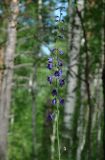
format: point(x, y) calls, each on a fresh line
point(58, 142)
point(53, 139)
point(57, 123)
point(59, 154)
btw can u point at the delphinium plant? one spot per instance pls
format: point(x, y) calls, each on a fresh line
point(56, 78)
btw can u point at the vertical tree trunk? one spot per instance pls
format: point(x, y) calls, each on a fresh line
point(1, 65)
point(86, 152)
point(74, 47)
point(74, 41)
point(5, 95)
point(103, 78)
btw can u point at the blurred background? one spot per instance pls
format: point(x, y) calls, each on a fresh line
point(28, 32)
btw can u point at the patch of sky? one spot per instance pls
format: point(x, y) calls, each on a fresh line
point(46, 2)
point(22, 7)
point(46, 49)
point(26, 21)
point(50, 20)
point(1, 11)
point(61, 4)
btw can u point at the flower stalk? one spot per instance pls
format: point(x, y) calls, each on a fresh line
point(55, 65)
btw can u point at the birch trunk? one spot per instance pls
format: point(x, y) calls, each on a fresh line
point(5, 95)
point(1, 65)
point(74, 40)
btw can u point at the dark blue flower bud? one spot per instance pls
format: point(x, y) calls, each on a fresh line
point(50, 79)
point(56, 73)
point(54, 92)
point(61, 36)
point(61, 82)
point(60, 63)
point(50, 66)
point(50, 116)
point(56, 20)
point(56, 16)
point(61, 101)
point(52, 50)
point(62, 20)
point(61, 52)
point(54, 101)
point(57, 8)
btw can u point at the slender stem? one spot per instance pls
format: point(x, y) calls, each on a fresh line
point(57, 121)
point(57, 112)
point(59, 154)
point(58, 142)
point(53, 139)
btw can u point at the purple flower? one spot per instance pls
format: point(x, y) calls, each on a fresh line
point(61, 101)
point(58, 73)
point(60, 63)
point(50, 60)
point(50, 79)
point(54, 92)
point(54, 101)
point(50, 66)
point(61, 82)
point(61, 52)
point(50, 116)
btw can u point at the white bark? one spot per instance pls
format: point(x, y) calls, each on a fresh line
point(1, 65)
point(5, 96)
point(74, 49)
point(82, 130)
point(40, 4)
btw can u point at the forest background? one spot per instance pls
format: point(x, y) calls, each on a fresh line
point(27, 36)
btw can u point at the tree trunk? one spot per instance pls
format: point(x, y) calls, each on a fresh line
point(86, 152)
point(74, 41)
point(103, 78)
point(5, 95)
point(74, 48)
point(1, 65)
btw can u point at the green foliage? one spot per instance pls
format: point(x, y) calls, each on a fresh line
point(32, 33)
